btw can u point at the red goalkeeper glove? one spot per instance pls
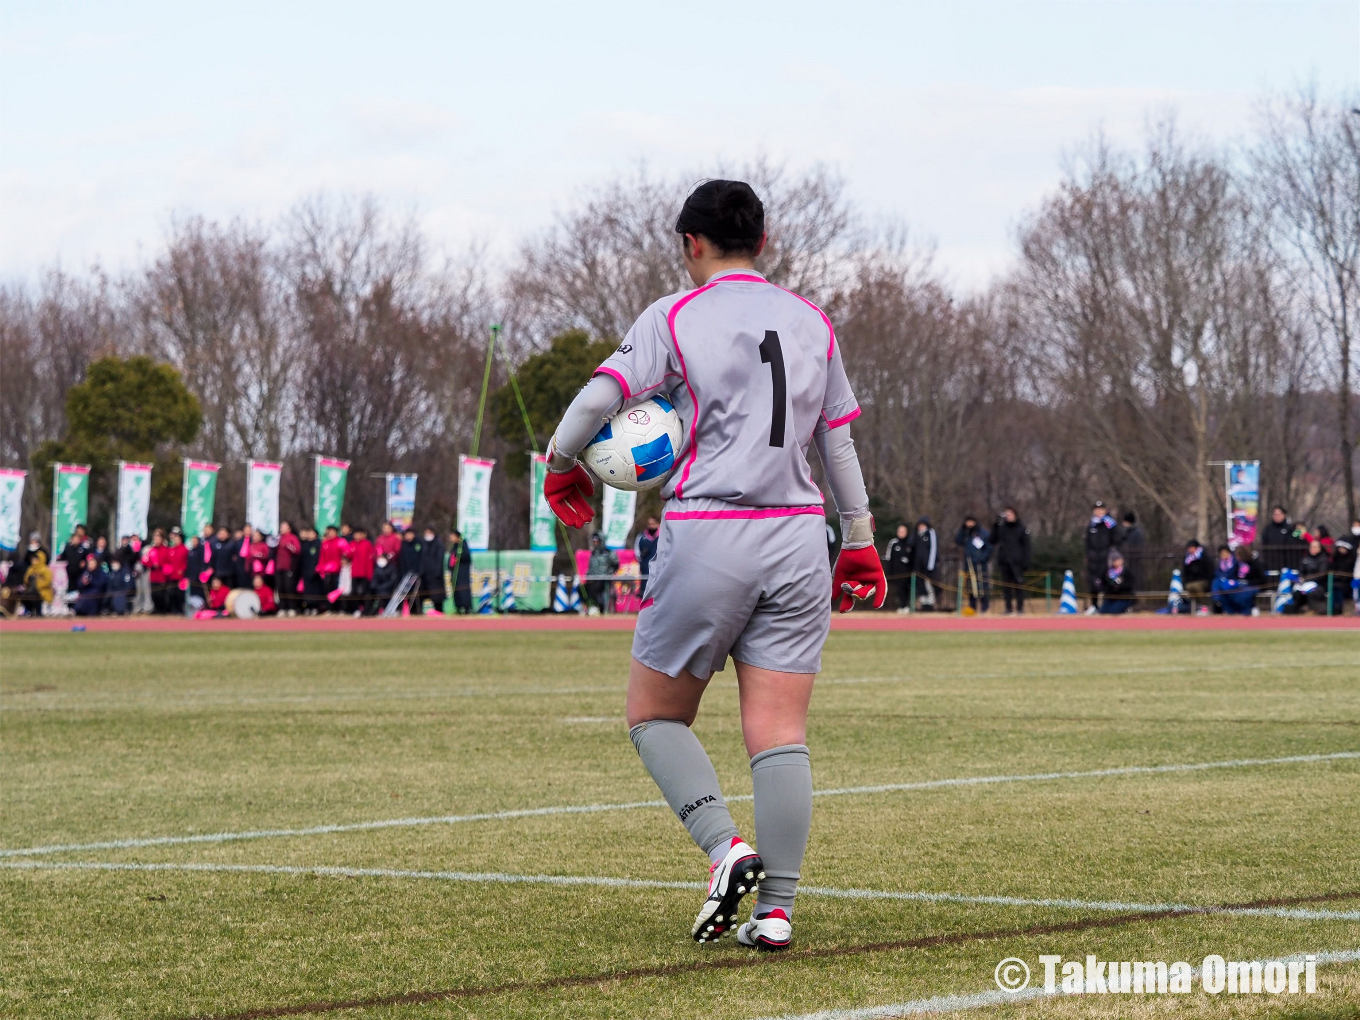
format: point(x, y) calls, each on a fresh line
point(568, 493)
point(859, 571)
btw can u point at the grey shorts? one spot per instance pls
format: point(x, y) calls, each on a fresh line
point(757, 588)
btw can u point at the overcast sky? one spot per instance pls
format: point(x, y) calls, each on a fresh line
point(483, 119)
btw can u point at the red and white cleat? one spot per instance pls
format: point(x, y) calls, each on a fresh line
point(728, 881)
point(772, 932)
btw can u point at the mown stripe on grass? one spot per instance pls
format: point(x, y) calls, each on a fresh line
point(996, 997)
point(503, 878)
point(742, 962)
point(583, 809)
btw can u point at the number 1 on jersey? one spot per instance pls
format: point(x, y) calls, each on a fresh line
point(773, 355)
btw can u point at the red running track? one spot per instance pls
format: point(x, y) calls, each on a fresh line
point(856, 621)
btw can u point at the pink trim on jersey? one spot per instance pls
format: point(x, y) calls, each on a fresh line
point(694, 401)
point(646, 604)
point(761, 514)
point(617, 377)
point(844, 419)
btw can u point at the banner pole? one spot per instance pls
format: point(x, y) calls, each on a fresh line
point(56, 475)
point(486, 382)
point(117, 500)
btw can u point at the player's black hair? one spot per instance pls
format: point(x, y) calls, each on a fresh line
point(728, 213)
point(1130, 517)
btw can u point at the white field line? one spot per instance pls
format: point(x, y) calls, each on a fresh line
point(502, 878)
point(584, 809)
point(996, 997)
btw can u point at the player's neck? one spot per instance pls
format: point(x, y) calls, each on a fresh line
point(703, 270)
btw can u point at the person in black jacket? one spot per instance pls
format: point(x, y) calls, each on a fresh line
point(385, 578)
point(460, 568)
point(73, 555)
point(1118, 587)
point(897, 567)
point(1312, 588)
point(1281, 545)
point(1197, 574)
point(223, 558)
point(91, 583)
point(1101, 536)
point(122, 586)
point(313, 597)
point(1010, 537)
point(1131, 541)
point(925, 561)
point(432, 570)
point(408, 562)
point(976, 543)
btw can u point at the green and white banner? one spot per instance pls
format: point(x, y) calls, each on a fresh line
point(197, 496)
point(619, 507)
point(262, 495)
point(329, 491)
point(542, 523)
point(11, 506)
point(70, 502)
point(134, 499)
point(474, 501)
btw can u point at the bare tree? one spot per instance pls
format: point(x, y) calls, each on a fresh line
point(46, 342)
point(1308, 177)
point(1142, 273)
point(213, 306)
point(920, 369)
point(604, 262)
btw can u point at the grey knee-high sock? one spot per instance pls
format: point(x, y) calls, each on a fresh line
point(679, 765)
point(782, 779)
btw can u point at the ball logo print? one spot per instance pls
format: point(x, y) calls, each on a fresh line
point(636, 449)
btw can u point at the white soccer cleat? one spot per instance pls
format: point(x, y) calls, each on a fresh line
point(728, 881)
point(771, 933)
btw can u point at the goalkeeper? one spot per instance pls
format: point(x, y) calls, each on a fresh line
point(756, 376)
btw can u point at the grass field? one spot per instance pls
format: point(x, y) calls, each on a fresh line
point(120, 739)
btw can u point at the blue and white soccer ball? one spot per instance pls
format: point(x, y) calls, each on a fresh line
point(636, 448)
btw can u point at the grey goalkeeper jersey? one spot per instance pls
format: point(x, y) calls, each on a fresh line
point(754, 372)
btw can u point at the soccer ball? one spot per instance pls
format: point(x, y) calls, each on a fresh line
point(636, 448)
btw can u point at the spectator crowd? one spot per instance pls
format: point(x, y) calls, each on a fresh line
point(347, 569)
point(296, 572)
point(1321, 569)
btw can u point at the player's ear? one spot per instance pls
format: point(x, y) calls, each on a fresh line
point(761, 246)
point(691, 246)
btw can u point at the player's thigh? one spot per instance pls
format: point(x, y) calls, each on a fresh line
point(654, 695)
point(774, 707)
point(703, 587)
point(788, 627)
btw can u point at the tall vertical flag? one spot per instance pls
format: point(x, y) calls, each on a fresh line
point(474, 501)
point(134, 499)
point(329, 491)
point(1242, 481)
point(197, 496)
point(70, 502)
point(11, 506)
point(542, 523)
point(401, 501)
point(620, 506)
point(262, 495)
